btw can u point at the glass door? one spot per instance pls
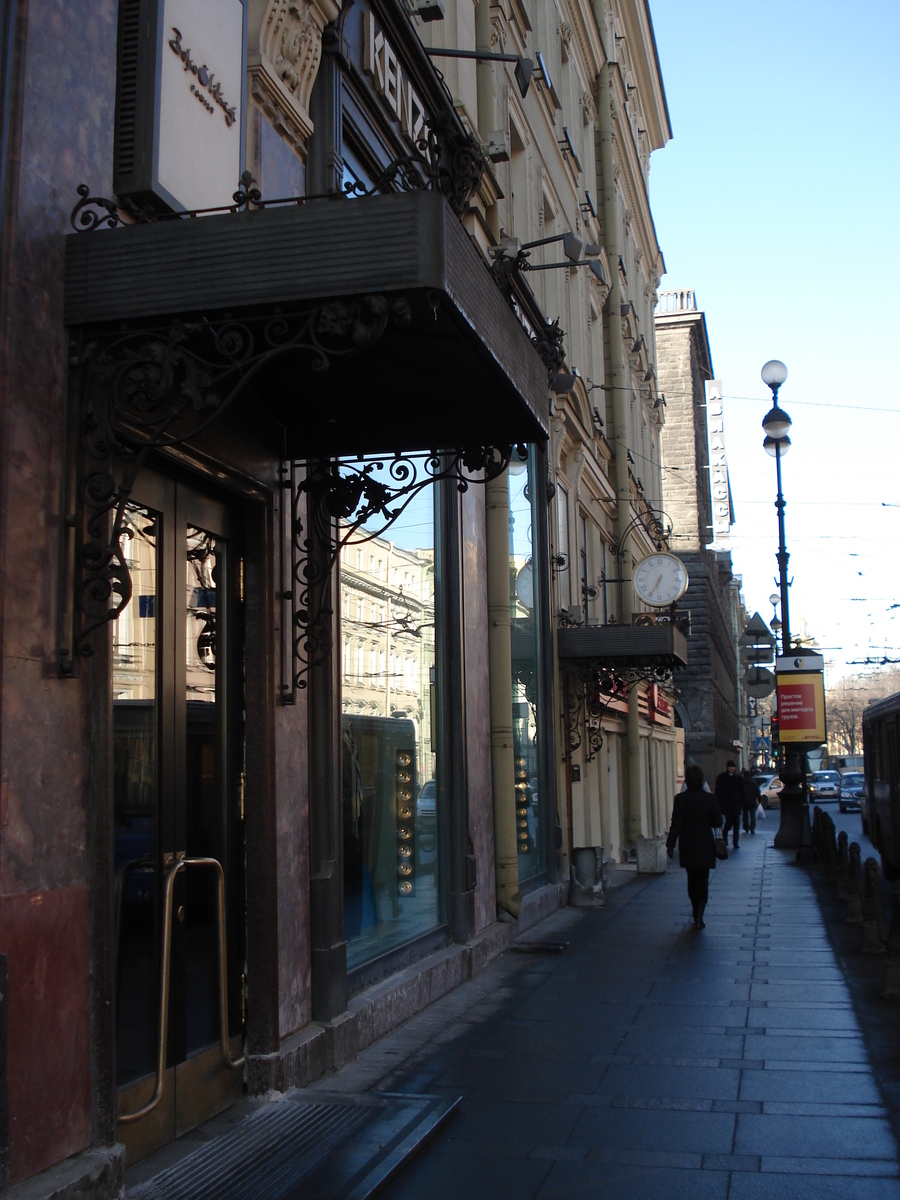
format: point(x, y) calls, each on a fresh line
point(177, 794)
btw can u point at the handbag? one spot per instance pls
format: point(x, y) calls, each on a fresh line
point(760, 812)
point(721, 847)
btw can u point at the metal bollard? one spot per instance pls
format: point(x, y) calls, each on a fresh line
point(831, 850)
point(892, 962)
point(842, 865)
point(854, 891)
point(872, 941)
point(817, 827)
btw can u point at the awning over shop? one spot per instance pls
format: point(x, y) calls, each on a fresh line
point(362, 326)
point(624, 647)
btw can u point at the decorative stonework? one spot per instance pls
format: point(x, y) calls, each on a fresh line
point(498, 35)
point(588, 108)
point(284, 60)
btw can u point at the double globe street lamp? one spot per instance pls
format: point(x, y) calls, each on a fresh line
point(794, 830)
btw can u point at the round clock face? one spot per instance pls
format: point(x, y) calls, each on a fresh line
point(660, 579)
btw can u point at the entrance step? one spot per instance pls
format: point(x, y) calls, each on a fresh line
point(314, 1146)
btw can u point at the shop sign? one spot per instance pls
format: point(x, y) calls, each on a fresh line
point(391, 82)
point(179, 118)
point(200, 83)
point(718, 463)
point(659, 705)
point(801, 698)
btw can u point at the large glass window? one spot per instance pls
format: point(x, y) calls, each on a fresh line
point(393, 864)
point(524, 642)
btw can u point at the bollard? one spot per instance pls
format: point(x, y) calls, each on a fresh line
point(854, 897)
point(842, 864)
point(831, 851)
point(872, 941)
point(892, 962)
point(831, 847)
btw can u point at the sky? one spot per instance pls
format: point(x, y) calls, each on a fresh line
point(776, 200)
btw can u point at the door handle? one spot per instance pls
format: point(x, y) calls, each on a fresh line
point(173, 867)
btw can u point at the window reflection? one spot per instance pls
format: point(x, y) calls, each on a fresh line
point(523, 637)
point(392, 861)
point(134, 800)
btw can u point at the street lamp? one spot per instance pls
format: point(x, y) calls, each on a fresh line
point(794, 830)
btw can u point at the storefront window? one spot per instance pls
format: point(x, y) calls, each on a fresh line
point(524, 635)
point(393, 869)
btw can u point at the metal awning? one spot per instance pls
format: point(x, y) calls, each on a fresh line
point(422, 349)
point(624, 647)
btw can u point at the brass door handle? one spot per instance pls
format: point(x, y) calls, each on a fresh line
point(175, 863)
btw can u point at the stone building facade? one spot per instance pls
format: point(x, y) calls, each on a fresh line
point(328, 420)
point(709, 699)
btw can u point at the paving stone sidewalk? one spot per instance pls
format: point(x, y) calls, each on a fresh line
point(652, 1060)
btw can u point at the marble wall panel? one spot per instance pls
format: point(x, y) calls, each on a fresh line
point(44, 780)
point(478, 704)
point(45, 936)
point(292, 821)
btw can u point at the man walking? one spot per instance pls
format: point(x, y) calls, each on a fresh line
point(730, 794)
point(751, 800)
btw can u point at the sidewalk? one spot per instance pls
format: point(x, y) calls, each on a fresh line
point(652, 1060)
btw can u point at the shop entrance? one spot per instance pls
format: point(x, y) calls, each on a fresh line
point(178, 748)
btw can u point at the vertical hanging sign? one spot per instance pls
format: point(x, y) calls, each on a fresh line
point(801, 698)
point(720, 489)
point(179, 103)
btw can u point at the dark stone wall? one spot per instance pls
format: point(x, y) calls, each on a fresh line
point(62, 108)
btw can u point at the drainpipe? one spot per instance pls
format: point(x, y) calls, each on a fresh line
point(619, 382)
point(503, 776)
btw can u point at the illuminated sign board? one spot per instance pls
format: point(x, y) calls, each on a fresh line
point(800, 685)
point(179, 103)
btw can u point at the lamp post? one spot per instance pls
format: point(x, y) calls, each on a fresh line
point(794, 830)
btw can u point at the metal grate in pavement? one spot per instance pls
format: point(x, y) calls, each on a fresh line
point(323, 1148)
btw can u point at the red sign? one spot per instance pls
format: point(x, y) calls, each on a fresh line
point(801, 708)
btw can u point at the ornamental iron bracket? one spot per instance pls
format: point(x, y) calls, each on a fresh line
point(331, 504)
point(655, 523)
point(157, 388)
point(589, 691)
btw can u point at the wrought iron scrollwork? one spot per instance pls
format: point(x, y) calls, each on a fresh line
point(161, 387)
point(590, 691)
point(338, 503)
point(655, 523)
point(443, 160)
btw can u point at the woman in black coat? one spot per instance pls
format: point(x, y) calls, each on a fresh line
point(695, 818)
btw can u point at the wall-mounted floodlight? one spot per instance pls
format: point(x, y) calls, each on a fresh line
point(588, 205)
point(563, 383)
point(524, 66)
point(429, 10)
point(571, 246)
point(596, 270)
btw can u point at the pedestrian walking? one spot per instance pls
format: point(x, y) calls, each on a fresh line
point(751, 800)
point(695, 818)
point(730, 793)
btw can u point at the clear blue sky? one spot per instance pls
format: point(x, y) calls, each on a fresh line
point(777, 201)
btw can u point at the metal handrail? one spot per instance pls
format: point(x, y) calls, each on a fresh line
point(233, 1064)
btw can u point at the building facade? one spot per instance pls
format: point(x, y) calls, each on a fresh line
point(331, 437)
point(710, 703)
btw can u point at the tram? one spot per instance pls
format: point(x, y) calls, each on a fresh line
point(881, 802)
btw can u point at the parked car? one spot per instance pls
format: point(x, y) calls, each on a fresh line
point(769, 788)
point(824, 785)
point(853, 784)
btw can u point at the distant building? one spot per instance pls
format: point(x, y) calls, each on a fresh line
point(709, 699)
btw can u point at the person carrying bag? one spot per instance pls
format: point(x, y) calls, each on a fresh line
point(696, 819)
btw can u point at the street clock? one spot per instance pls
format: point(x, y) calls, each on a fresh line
point(660, 579)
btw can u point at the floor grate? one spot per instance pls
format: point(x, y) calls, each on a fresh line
point(319, 1148)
